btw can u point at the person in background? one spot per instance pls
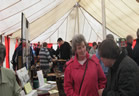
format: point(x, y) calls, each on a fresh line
point(83, 74)
point(109, 36)
point(18, 55)
point(8, 83)
point(123, 74)
point(98, 44)
point(15, 58)
point(37, 49)
point(129, 40)
point(93, 49)
point(105, 69)
point(64, 49)
point(136, 49)
point(45, 59)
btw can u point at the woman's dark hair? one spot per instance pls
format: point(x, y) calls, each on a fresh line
point(94, 43)
point(109, 49)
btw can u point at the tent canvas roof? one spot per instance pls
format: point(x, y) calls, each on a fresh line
point(50, 19)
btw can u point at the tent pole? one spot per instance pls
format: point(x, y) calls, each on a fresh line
point(103, 19)
point(78, 18)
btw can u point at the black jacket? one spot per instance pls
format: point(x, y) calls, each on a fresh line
point(64, 51)
point(129, 50)
point(123, 78)
point(136, 52)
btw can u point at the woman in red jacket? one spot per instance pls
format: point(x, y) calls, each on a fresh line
point(83, 75)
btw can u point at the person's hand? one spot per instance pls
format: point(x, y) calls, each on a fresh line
point(100, 91)
point(54, 60)
point(50, 64)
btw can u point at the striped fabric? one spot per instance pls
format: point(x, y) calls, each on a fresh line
point(45, 58)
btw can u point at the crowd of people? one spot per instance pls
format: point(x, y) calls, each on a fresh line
point(105, 69)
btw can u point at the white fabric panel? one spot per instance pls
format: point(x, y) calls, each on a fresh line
point(121, 15)
point(81, 21)
point(48, 19)
point(42, 8)
point(12, 49)
point(71, 29)
point(12, 15)
point(122, 18)
point(7, 3)
point(56, 27)
point(53, 37)
point(62, 30)
point(3, 42)
point(67, 27)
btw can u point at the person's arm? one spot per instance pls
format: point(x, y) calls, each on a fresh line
point(16, 87)
point(92, 51)
point(134, 54)
point(68, 84)
point(101, 76)
point(126, 85)
point(101, 79)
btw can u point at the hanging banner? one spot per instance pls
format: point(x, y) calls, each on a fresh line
point(25, 40)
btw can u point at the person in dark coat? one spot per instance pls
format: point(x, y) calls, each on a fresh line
point(64, 50)
point(17, 53)
point(123, 74)
point(136, 49)
point(129, 40)
point(15, 58)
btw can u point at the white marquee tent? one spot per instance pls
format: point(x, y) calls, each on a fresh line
point(50, 19)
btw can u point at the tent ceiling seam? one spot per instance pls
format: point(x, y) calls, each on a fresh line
point(99, 21)
point(20, 11)
point(114, 15)
point(89, 24)
point(45, 13)
point(90, 36)
point(123, 12)
point(130, 8)
point(11, 5)
point(66, 28)
point(60, 25)
point(57, 28)
point(4, 31)
point(121, 20)
point(83, 25)
point(42, 9)
point(75, 21)
point(27, 17)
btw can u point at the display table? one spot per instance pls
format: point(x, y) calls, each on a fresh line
point(48, 90)
point(32, 93)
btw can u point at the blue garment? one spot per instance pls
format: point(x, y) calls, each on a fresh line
point(105, 69)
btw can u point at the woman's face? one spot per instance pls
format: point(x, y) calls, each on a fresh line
point(81, 50)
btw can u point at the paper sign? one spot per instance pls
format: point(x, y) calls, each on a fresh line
point(22, 93)
point(53, 91)
point(40, 78)
point(28, 88)
point(23, 75)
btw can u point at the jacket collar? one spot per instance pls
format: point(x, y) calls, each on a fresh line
point(3, 75)
point(76, 63)
point(118, 61)
point(129, 44)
